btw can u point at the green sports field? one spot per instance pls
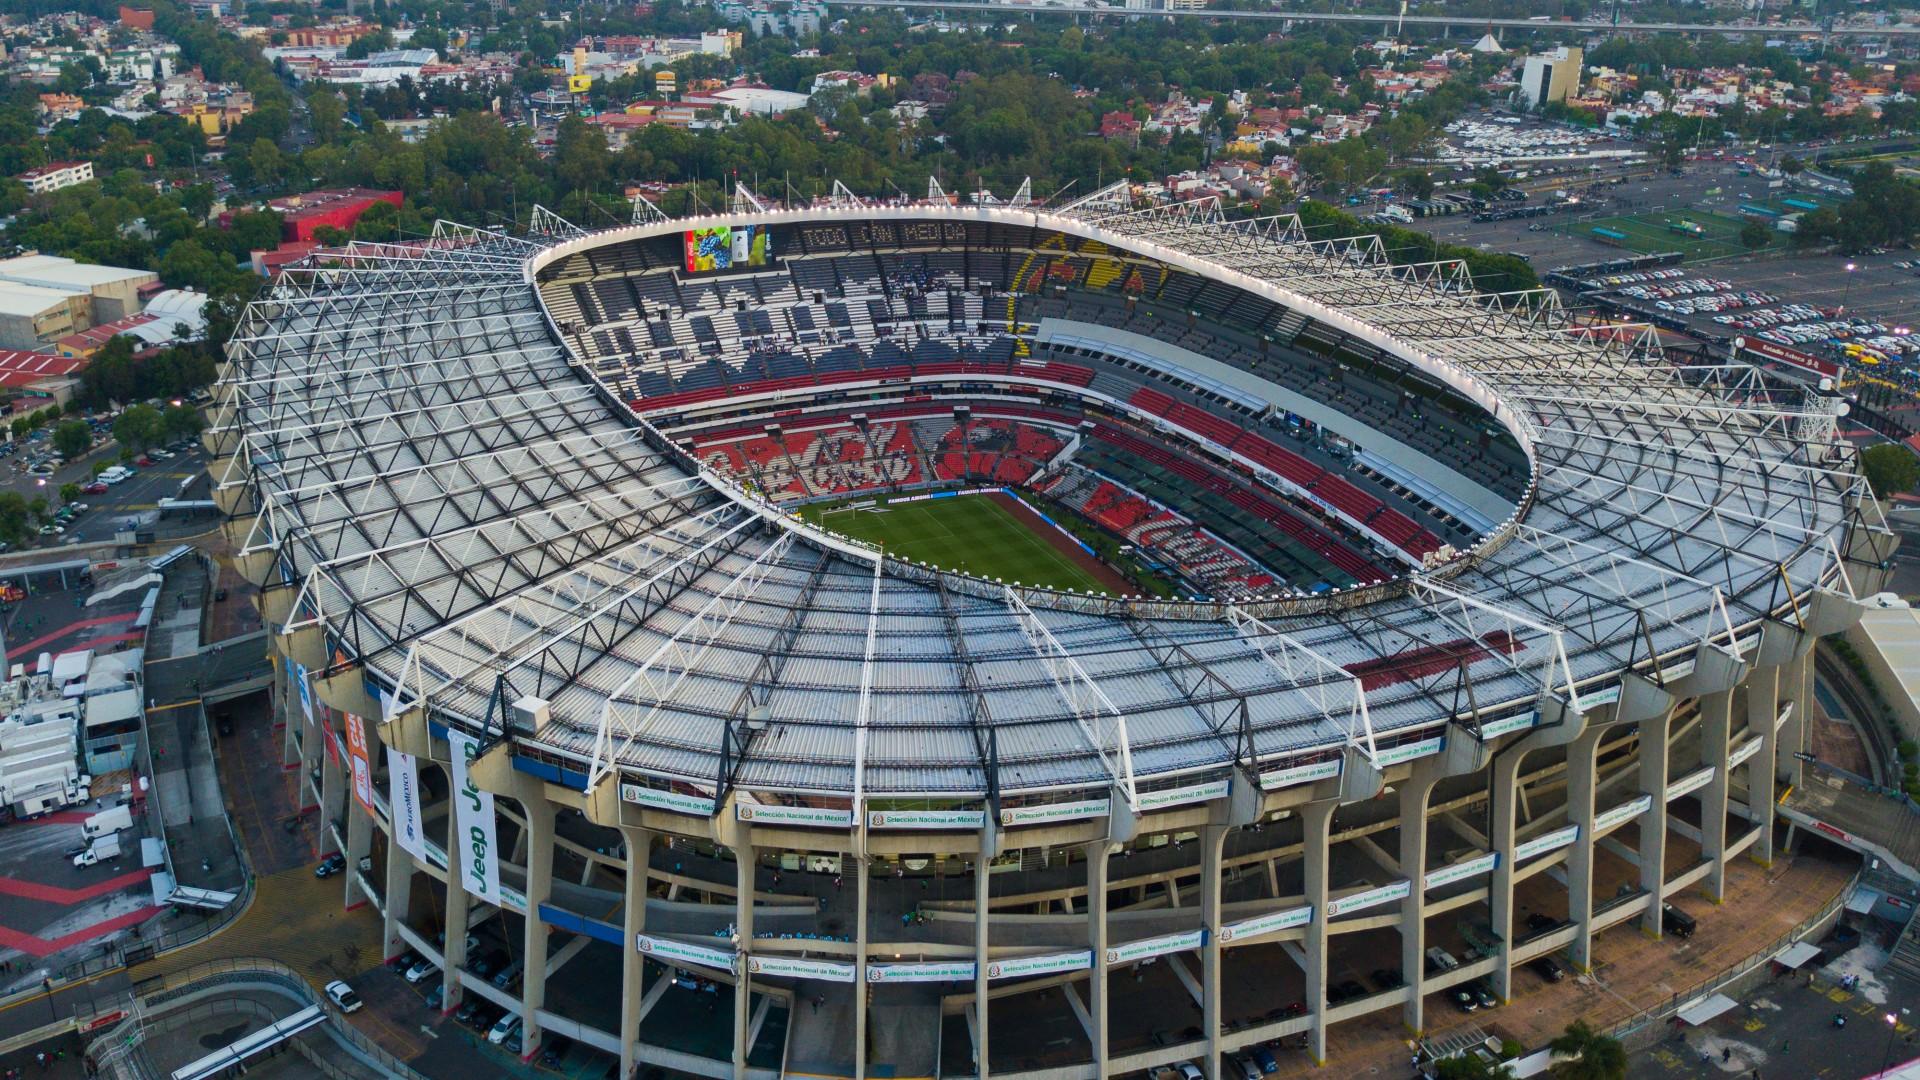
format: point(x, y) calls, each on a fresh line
point(970, 533)
point(1648, 232)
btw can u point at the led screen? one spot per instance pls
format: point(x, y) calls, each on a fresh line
point(725, 247)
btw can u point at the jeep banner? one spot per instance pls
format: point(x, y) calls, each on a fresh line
point(476, 843)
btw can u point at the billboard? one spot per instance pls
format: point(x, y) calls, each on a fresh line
point(726, 247)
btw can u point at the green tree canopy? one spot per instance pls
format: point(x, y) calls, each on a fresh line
point(1890, 469)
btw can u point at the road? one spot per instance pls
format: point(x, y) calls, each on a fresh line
point(1386, 17)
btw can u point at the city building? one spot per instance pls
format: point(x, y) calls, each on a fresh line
point(170, 317)
point(115, 291)
point(60, 174)
point(336, 208)
point(33, 318)
point(1548, 77)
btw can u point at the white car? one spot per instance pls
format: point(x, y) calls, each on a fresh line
point(503, 1029)
point(343, 996)
point(422, 970)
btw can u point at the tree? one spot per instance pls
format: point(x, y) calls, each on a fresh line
point(138, 428)
point(1588, 1055)
point(70, 492)
point(180, 422)
point(72, 438)
point(1890, 469)
point(1793, 166)
point(15, 526)
point(1755, 235)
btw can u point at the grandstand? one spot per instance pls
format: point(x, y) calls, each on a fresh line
point(764, 799)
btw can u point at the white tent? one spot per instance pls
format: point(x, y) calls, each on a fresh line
point(1704, 1010)
point(1794, 956)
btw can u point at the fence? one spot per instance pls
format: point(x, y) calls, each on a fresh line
point(1641, 1029)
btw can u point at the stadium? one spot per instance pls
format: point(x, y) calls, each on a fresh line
point(950, 638)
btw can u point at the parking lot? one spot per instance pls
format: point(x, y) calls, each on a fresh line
point(129, 505)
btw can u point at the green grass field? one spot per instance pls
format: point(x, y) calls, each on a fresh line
point(1648, 232)
point(970, 533)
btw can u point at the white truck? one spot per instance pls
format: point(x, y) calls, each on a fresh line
point(102, 849)
point(107, 821)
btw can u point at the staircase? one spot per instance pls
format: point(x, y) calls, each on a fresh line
point(1905, 958)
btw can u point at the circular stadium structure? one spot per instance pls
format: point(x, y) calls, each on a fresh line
point(1358, 609)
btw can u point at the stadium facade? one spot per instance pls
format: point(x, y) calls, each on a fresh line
point(735, 794)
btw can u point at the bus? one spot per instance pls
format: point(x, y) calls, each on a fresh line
point(1609, 236)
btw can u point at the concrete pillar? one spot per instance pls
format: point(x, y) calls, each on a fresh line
point(1654, 740)
point(1796, 685)
point(639, 844)
point(1503, 797)
point(1213, 842)
point(533, 981)
point(311, 754)
point(1582, 754)
point(458, 908)
point(1097, 854)
point(1716, 721)
point(359, 845)
point(862, 877)
point(1763, 705)
point(982, 883)
point(1415, 793)
point(743, 926)
point(1316, 820)
point(333, 792)
point(399, 897)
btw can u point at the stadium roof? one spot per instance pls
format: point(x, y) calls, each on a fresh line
point(474, 522)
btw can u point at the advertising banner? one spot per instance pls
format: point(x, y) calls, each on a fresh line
point(1361, 901)
point(359, 760)
point(662, 799)
point(1154, 946)
point(667, 950)
point(1553, 841)
point(926, 819)
point(793, 967)
point(1180, 796)
point(1266, 924)
point(1060, 811)
point(1048, 964)
point(477, 847)
point(1300, 774)
point(776, 814)
point(1625, 812)
point(1447, 875)
point(403, 796)
point(947, 971)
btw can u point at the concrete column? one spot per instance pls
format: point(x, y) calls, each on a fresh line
point(1415, 793)
point(1316, 820)
point(1796, 685)
point(459, 905)
point(639, 844)
point(1716, 721)
point(982, 884)
point(1213, 842)
point(1097, 854)
point(333, 792)
point(533, 984)
point(399, 897)
point(743, 926)
point(1503, 796)
point(311, 754)
point(1654, 739)
point(359, 845)
point(1581, 756)
point(861, 880)
point(1763, 705)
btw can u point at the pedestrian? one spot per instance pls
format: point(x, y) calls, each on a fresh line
point(1726, 1053)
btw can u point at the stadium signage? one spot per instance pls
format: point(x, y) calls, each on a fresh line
point(403, 797)
point(1060, 811)
point(1746, 750)
point(662, 799)
point(949, 971)
point(1693, 781)
point(1792, 357)
point(1180, 796)
point(479, 845)
point(1394, 755)
point(774, 814)
point(1553, 841)
point(361, 761)
point(1360, 901)
point(1447, 875)
point(1045, 964)
point(1509, 724)
point(1625, 812)
point(1146, 948)
point(926, 819)
point(1266, 924)
point(682, 953)
point(793, 967)
point(1300, 774)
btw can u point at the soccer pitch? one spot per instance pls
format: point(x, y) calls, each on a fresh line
point(973, 534)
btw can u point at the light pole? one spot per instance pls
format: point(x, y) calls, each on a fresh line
point(1893, 1025)
point(1848, 291)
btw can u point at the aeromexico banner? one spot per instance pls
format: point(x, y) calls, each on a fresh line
point(478, 846)
point(403, 796)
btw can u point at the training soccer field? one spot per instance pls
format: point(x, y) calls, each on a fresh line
point(970, 533)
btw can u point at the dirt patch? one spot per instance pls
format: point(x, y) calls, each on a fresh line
point(1109, 578)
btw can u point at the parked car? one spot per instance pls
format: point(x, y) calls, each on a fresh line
point(1246, 1066)
point(1484, 994)
point(343, 996)
point(1548, 968)
point(505, 1026)
point(1387, 978)
point(422, 971)
point(1463, 999)
point(1190, 1071)
point(330, 865)
point(1267, 1062)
